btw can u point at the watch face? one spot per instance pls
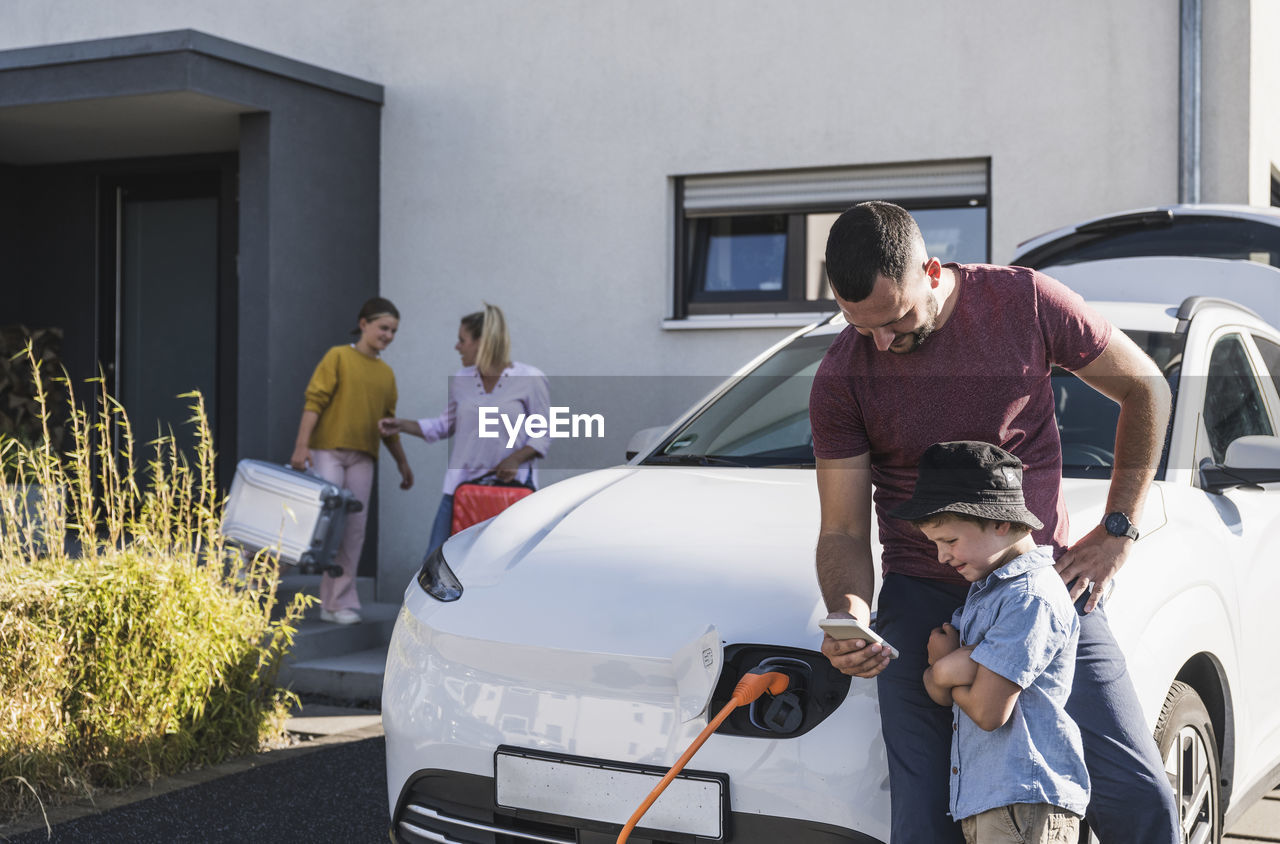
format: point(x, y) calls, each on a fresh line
point(1117, 524)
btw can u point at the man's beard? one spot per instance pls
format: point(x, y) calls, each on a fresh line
point(922, 333)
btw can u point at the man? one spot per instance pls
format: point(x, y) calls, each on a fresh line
point(939, 353)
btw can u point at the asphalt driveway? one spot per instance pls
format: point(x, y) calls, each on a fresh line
point(333, 794)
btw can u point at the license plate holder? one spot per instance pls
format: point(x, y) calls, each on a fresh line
point(601, 794)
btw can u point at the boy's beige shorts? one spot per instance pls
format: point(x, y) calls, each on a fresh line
point(1022, 823)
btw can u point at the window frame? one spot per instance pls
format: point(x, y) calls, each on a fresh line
point(688, 303)
point(1273, 374)
point(760, 301)
point(1262, 387)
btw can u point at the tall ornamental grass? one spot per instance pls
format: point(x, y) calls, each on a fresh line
point(133, 642)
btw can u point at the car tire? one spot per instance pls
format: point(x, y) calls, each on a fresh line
point(1185, 736)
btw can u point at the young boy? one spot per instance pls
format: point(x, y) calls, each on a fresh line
point(1006, 660)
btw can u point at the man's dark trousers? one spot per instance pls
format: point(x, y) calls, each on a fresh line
point(1131, 801)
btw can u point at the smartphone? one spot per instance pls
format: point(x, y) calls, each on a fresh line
point(851, 628)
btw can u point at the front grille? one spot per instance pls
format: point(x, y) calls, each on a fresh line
point(430, 825)
point(449, 807)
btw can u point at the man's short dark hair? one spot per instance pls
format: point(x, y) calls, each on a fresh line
point(870, 239)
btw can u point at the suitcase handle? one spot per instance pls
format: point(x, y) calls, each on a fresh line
point(353, 505)
point(491, 479)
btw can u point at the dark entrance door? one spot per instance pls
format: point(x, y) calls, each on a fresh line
point(165, 305)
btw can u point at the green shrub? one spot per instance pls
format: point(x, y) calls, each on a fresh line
point(133, 644)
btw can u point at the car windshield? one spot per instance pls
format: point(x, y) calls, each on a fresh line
point(762, 419)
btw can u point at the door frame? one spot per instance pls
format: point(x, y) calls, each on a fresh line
point(174, 178)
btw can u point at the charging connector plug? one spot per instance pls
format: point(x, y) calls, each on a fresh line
point(756, 682)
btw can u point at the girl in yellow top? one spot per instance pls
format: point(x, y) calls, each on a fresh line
point(350, 390)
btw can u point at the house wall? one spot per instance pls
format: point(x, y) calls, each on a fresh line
point(528, 149)
point(1264, 100)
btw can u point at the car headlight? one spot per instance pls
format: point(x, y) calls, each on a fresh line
point(437, 579)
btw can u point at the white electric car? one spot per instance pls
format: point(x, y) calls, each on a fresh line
point(549, 665)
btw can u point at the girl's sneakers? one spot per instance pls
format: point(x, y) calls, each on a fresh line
point(340, 616)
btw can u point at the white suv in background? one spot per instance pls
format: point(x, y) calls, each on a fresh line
point(1231, 232)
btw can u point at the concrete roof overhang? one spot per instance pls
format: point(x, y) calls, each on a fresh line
point(168, 93)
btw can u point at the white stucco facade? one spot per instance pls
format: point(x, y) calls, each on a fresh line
point(529, 148)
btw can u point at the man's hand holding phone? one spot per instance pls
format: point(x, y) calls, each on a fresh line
point(853, 647)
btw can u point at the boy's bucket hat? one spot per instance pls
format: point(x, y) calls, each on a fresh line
point(968, 477)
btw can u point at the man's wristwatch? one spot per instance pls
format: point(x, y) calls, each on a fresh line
point(1118, 524)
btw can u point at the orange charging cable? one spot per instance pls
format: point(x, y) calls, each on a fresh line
point(753, 684)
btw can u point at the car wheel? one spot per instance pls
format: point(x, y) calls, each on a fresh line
point(1185, 736)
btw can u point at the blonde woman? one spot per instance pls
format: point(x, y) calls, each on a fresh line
point(488, 379)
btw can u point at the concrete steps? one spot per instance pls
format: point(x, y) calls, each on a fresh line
point(336, 661)
point(352, 676)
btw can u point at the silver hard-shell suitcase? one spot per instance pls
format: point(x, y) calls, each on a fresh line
point(299, 515)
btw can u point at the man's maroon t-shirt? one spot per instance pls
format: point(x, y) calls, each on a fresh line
point(984, 375)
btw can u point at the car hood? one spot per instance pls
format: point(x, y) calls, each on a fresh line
point(593, 558)
point(600, 557)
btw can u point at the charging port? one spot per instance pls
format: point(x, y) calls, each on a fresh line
point(815, 691)
point(783, 713)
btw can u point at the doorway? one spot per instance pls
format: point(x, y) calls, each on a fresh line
point(166, 301)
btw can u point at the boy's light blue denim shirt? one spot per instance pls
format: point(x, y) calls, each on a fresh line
point(1026, 629)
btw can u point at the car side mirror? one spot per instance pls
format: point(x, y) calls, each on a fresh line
point(1249, 461)
point(644, 439)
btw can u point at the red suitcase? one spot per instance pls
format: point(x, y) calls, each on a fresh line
point(483, 498)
